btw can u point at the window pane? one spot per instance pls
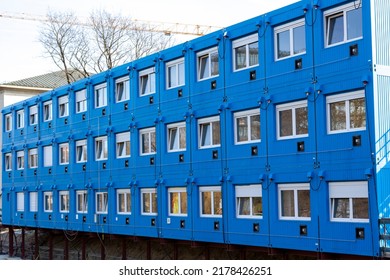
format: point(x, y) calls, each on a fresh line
point(216, 133)
point(145, 143)
point(105, 202)
point(152, 83)
point(337, 116)
point(285, 123)
point(255, 127)
point(172, 76)
point(174, 198)
point(301, 120)
point(214, 64)
point(82, 202)
point(357, 113)
point(204, 68)
point(341, 208)
point(257, 206)
point(64, 202)
point(288, 208)
point(127, 148)
point(205, 134)
point(206, 203)
point(335, 29)
point(360, 208)
point(119, 91)
point(173, 139)
point(128, 202)
point(240, 53)
point(146, 202)
point(183, 203)
point(181, 74)
point(154, 202)
point(144, 85)
point(253, 54)
point(299, 39)
point(242, 129)
point(217, 203)
point(354, 23)
point(182, 135)
point(121, 202)
point(283, 43)
point(303, 203)
point(153, 142)
point(243, 205)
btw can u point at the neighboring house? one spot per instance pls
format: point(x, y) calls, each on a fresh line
point(16, 91)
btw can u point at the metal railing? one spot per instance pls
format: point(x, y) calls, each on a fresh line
point(384, 231)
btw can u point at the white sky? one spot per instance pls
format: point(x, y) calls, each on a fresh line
point(21, 55)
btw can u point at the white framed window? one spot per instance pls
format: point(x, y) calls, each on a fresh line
point(48, 201)
point(294, 201)
point(64, 201)
point(81, 101)
point(209, 134)
point(20, 201)
point(33, 115)
point(123, 198)
point(147, 81)
point(81, 151)
point(346, 112)
point(123, 144)
point(122, 89)
point(8, 162)
point(177, 201)
point(349, 201)
point(249, 201)
point(33, 199)
point(47, 111)
point(290, 39)
point(148, 141)
point(175, 73)
point(292, 120)
point(176, 137)
point(149, 201)
point(247, 126)
point(210, 199)
point(208, 64)
point(48, 156)
point(63, 106)
point(20, 160)
point(8, 122)
point(343, 24)
point(33, 158)
point(246, 52)
point(64, 153)
point(101, 202)
point(82, 201)
point(101, 148)
point(100, 95)
point(20, 119)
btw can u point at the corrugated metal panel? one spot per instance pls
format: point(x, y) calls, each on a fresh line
point(381, 11)
point(383, 120)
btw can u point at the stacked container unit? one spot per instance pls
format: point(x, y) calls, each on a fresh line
point(261, 134)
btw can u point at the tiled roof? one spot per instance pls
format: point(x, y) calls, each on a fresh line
point(49, 81)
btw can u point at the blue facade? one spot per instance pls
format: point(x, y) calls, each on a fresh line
point(273, 120)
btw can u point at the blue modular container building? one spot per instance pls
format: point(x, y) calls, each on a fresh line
point(270, 133)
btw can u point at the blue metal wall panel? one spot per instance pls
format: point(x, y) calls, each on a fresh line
point(325, 158)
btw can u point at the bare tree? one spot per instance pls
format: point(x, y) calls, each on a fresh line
point(145, 40)
point(58, 36)
point(102, 43)
point(111, 38)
